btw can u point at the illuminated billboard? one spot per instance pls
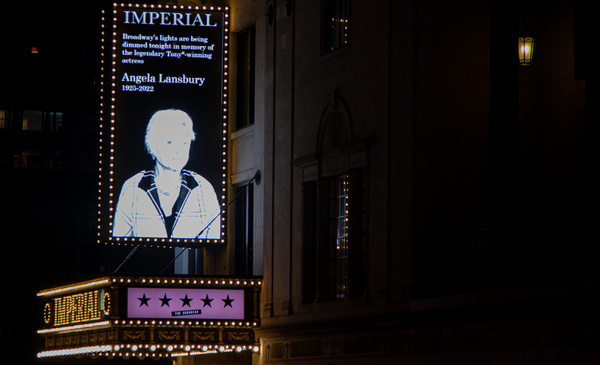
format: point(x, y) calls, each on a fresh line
point(168, 303)
point(164, 122)
point(150, 316)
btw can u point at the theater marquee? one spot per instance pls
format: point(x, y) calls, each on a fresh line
point(172, 60)
point(158, 317)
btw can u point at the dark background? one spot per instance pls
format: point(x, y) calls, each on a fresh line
point(49, 214)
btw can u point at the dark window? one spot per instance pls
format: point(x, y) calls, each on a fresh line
point(334, 238)
point(244, 222)
point(4, 119)
point(338, 236)
point(245, 77)
point(31, 120)
point(52, 121)
point(17, 160)
point(335, 24)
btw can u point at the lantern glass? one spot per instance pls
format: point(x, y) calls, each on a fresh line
point(525, 50)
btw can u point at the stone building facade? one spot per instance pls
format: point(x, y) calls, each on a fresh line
point(462, 236)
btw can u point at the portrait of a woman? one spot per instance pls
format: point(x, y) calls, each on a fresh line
point(168, 201)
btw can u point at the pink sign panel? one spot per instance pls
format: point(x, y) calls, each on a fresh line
point(184, 304)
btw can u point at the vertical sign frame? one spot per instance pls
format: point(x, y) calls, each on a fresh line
point(171, 61)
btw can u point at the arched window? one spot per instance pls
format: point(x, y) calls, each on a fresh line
point(334, 202)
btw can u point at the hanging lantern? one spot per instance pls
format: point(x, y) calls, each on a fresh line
point(525, 47)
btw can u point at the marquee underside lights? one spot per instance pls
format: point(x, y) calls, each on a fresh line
point(163, 57)
point(79, 327)
point(75, 351)
point(145, 351)
point(156, 317)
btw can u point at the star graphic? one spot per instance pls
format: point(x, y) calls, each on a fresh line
point(186, 301)
point(143, 300)
point(207, 301)
point(165, 301)
point(227, 302)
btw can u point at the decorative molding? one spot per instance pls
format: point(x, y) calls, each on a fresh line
point(335, 161)
point(335, 129)
point(238, 336)
point(336, 151)
point(134, 335)
point(333, 347)
point(203, 336)
point(169, 335)
point(268, 310)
